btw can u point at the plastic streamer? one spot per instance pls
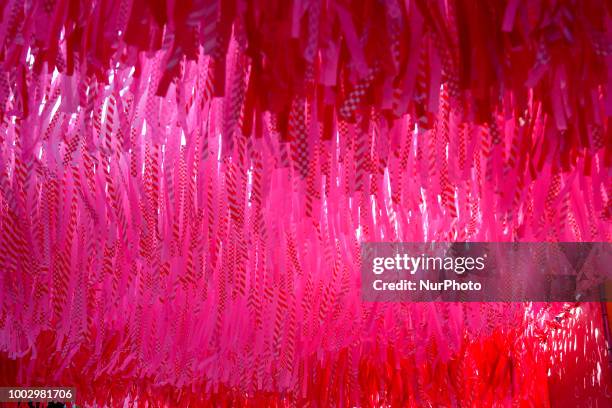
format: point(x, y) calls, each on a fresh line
point(184, 187)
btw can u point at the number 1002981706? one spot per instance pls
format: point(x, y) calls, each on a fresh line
point(36, 394)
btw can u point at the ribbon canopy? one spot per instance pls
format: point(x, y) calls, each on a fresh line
point(185, 185)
